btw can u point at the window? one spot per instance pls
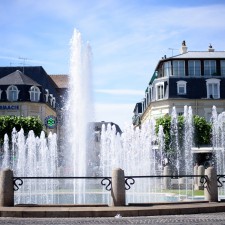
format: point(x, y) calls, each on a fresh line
point(12, 93)
point(210, 67)
point(213, 88)
point(0, 94)
point(150, 93)
point(178, 68)
point(53, 102)
point(181, 88)
point(222, 67)
point(34, 94)
point(194, 67)
point(159, 91)
point(167, 69)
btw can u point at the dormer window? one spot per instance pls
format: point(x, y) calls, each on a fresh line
point(51, 98)
point(181, 87)
point(46, 95)
point(12, 93)
point(34, 94)
point(213, 88)
point(159, 90)
point(53, 102)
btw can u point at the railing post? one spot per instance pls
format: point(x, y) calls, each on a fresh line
point(201, 172)
point(6, 188)
point(118, 188)
point(211, 189)
point(196, 178)
point(167, 180)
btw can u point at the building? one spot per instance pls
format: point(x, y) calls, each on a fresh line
point(29, 91)
point(192, 78)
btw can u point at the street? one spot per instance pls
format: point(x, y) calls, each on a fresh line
point(192, 219)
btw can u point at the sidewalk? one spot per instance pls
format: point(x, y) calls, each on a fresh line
point(153, 209)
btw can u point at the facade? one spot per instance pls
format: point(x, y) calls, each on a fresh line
point(192, 78)
point(29, 91)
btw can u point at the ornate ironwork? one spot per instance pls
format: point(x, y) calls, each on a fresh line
point(128, 182)
point(204, 180)
point(16, 183)
point(220, 183)
point(107, 182)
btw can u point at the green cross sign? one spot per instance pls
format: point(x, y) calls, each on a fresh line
point(50, 122)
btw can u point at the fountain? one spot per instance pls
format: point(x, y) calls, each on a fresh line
point(40, 155)
point(218, 144)
point(79, 114)
point(139, 152)
point(32, 157)
point(134, 151)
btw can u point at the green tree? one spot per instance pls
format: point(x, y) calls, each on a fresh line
point(202, 130)
point(7, 123)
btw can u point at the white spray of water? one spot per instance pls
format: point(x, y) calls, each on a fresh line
point(134, 151)
point(80, 112)
point(32, 157)
point(188, 140)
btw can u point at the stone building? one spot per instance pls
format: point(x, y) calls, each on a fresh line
point(29, 91)
point(192, 78)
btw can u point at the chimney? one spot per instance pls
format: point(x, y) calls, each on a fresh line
point(211, 49)
point(183, 48)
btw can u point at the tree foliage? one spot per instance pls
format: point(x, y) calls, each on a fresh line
point(7, 123)
point(202, 130)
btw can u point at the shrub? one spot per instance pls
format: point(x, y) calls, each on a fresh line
point(7, 123)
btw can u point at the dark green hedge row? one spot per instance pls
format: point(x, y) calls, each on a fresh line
point(7, 123)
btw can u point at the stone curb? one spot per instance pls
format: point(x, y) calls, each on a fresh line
point(106, 211)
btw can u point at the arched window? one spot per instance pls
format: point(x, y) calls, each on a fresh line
point(12, 93)
point(34, 94)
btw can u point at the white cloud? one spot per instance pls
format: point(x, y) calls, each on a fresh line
point(120, 114)
point(120, 91)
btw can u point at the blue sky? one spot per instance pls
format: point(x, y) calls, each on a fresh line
point(127, 37)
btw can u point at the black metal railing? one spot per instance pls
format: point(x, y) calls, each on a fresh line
point(130, 180)
point(219, 181)
point(107, 181)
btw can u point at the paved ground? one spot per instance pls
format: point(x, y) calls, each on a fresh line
point(68, 211)
point(191, 219)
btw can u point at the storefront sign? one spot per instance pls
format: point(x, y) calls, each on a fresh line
point(50, 122)
point(9, 107)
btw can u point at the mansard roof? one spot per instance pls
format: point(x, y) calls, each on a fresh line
point(17, 78)
point(61, 80)
point(200, 55)
point(36, 73)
